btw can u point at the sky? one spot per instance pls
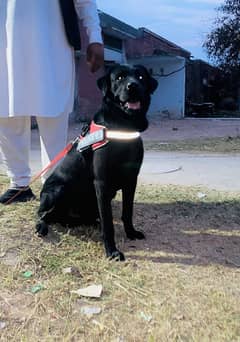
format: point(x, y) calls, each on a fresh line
point(184, 22)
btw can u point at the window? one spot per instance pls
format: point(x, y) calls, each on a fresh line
point(112, 42)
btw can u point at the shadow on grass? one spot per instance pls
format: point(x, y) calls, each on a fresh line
point(179, 227)
point(182, 232)
point(83, 232)
point(188, 233)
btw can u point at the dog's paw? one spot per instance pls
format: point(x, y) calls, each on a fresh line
point(135, 235)
point(41, 229)
point(116, 255)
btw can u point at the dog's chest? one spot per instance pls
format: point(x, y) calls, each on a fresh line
point(118, 159)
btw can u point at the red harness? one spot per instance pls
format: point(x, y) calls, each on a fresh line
point(94, 128)
point(93, 139)
point(99, 136)
point(96, 138)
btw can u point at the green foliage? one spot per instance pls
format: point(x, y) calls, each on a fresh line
point(223, 42)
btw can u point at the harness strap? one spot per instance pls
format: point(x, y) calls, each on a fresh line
point(98, 136)
point(58, 157)
point(54, 161)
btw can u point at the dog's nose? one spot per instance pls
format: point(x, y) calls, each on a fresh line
point(132, 85)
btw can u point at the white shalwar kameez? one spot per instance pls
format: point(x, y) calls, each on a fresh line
point(37, 77)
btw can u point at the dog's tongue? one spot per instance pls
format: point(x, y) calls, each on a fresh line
point(133, 105)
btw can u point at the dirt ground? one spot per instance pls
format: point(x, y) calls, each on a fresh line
point(181, 283)
point(167, 130)
point(183, 129)
point(173, 130)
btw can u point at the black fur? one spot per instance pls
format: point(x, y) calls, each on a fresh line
point(81, 188)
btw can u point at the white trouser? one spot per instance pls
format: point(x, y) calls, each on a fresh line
point(15, 143)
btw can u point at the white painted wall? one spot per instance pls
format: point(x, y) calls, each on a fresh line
point(113, 55)
point(169, 97)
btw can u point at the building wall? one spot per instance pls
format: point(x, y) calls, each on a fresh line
point(169, 98)
point(113, 55)
point(87, 95)
point(149, 44)
point(162, 57)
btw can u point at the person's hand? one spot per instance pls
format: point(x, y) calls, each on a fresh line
point(95, 56)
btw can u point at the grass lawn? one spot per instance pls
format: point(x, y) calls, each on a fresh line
point(180, 284)
point(219, 145)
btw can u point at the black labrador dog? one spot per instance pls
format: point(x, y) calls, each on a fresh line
point(81, 188)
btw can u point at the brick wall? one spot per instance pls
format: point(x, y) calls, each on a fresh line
point(87, 96)
point(149, 44)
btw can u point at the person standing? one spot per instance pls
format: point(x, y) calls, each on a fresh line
point(37, 77)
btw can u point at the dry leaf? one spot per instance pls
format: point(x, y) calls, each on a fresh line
point(93, 291)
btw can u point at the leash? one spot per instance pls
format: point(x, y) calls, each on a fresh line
point(96, 136)
point(58, 157)
point(93, 138)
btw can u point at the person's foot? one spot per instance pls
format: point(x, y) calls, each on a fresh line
point(21, 194)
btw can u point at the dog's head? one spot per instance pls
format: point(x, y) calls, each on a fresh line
point(129, 88)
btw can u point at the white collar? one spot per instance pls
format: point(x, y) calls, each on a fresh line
point(121, 135)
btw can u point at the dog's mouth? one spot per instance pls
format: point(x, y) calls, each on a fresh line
point(131, 106)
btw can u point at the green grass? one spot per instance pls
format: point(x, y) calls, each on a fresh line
point(180, 284)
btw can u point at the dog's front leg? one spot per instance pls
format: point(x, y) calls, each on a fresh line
point(128, 192)
point(105, 211)
point(48, 200)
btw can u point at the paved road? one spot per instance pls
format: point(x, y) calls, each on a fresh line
point(215, 171)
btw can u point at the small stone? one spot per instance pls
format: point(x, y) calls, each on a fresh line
point(90, 310)
point(2, 325)
point(72, 270)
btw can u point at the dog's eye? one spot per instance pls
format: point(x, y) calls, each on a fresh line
point(120, 77)
point(140, 77)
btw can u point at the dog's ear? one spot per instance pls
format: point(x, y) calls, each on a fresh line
point(103, 84)
point(153, 83)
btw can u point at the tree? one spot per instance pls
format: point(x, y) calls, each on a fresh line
point(223, 42)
